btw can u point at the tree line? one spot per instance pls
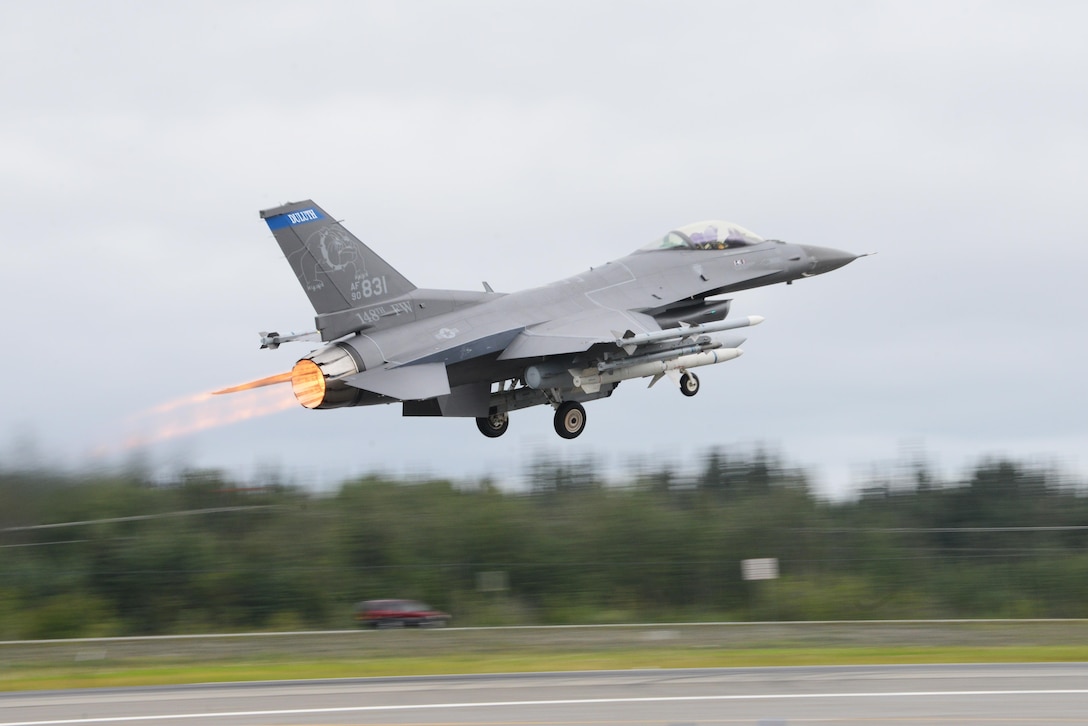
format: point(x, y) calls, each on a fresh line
point(119, 554)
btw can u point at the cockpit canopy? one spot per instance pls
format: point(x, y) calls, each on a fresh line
point(714, 234)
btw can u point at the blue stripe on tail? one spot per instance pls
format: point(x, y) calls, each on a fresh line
point(302, 216)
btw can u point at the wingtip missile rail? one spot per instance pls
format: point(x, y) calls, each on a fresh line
point(271, 341)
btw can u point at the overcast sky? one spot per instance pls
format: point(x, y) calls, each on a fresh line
point(522, 142)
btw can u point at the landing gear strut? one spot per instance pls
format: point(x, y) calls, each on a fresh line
point(493, 426)
point(570, 419)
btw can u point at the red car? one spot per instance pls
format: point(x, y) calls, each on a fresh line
point(398, 613)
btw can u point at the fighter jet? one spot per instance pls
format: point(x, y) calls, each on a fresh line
point(656, 312)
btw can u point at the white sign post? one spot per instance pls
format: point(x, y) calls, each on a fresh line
point(763, 568)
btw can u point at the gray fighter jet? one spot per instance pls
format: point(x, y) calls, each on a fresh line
point(656, 312)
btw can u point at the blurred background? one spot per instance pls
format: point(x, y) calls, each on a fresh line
point(123, 555)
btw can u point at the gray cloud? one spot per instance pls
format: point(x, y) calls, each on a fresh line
point(521, 143)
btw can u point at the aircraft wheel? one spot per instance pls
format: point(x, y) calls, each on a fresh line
point(570, 419)
point(689, 384)
point(493, 426)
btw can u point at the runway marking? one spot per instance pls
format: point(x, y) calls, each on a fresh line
point(557, 702)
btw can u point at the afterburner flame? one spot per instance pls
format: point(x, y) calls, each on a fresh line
point(308, 383)
point(199, 412)
point(192, 414)
point(177, 403)
point(270, 381)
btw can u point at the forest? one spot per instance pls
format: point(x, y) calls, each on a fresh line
point(123, 554)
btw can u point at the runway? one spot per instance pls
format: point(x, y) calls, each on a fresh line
point(1037, 694)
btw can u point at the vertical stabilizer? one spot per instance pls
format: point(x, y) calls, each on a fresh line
point(337, 271)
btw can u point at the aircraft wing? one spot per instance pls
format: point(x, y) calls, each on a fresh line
point(406, 383)
point(416, 381)
point(577, 333)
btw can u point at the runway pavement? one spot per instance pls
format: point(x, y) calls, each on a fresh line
point(1036, 694)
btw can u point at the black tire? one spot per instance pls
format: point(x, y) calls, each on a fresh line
point(493, 426)
point(570, 419)
point(689, 384)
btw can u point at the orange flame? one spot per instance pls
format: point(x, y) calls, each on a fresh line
point(199, 412)
point(164, 408)
point(270, 381)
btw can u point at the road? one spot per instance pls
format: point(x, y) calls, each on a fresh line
point(1036, 694)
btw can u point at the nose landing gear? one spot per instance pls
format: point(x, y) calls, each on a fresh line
point(689, 384)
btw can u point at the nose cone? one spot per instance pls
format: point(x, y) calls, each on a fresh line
point(826, 259)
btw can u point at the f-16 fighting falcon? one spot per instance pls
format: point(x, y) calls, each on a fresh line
point(656, 312)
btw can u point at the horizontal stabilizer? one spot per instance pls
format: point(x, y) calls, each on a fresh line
point(406, 383)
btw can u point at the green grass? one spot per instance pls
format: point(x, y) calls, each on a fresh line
point(103, 674)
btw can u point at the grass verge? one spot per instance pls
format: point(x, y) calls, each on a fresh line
point(163, 672)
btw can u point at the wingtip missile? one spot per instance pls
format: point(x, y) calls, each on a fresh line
point(271, 341)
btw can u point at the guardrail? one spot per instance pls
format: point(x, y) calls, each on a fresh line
point(341, 644)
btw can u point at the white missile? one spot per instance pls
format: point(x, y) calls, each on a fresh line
point(629, 343)
point(590, 380)
point(654, 368)
point(698, 347)
point(271, 341)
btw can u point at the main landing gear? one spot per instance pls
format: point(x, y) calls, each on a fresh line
point(570, 419)
point(493, 426)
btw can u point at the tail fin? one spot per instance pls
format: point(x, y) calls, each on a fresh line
point(337, 271)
